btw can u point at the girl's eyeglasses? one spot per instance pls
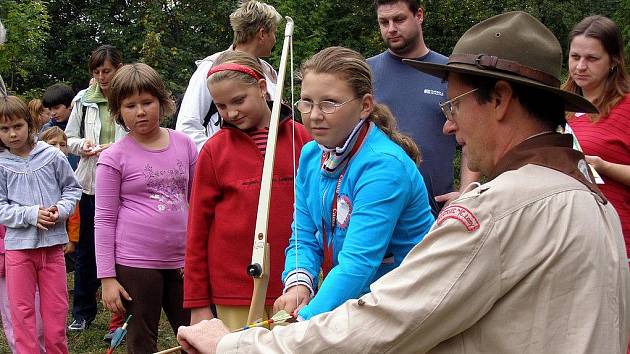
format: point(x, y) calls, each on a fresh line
point(327, 107)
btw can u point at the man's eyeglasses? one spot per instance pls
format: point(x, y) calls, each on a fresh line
point(328, 107)
point(450, 107)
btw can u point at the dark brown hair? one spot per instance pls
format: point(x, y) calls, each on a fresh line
point(618, 82)
point(411, 4)
point(546, 108)
point(59, 93)
point(134, 79)
point(104, 53)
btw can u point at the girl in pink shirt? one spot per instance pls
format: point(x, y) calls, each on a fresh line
point(143, 185)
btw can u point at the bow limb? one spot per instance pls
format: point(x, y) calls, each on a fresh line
point(259, 268)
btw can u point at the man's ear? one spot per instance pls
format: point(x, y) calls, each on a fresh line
point(501, 97)
point(419, 15)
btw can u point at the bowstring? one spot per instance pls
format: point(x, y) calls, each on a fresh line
point(295, 228)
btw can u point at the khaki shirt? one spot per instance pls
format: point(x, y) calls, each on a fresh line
point(531, 262)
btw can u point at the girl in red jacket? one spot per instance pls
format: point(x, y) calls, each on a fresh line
point(225, 192)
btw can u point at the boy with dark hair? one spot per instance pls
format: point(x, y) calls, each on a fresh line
point(58, 98)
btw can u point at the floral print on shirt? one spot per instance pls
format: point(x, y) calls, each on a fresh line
point(168, 187)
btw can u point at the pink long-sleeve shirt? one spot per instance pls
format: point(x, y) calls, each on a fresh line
point(142, 204)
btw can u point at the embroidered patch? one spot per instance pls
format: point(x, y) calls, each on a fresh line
point(461, 214)
point(344, 211)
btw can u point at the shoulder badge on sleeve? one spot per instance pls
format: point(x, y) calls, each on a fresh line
point(344, 211)
point(461, 214)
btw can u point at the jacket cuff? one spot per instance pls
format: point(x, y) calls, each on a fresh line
point(32, 215)
point(239, 342)
point(63, 212)
point(74, 145)
point(298, 277)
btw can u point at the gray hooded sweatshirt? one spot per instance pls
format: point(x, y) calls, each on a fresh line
point(44, 178)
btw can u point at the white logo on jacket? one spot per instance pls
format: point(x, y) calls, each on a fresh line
point(434, 92)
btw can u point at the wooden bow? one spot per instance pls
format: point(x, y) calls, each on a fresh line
point(259, 268)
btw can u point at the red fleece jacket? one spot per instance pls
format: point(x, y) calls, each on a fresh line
point(222, 216)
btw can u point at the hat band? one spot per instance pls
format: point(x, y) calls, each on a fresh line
point(491, 62)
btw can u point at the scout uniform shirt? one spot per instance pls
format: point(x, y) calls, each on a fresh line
point(531, 262)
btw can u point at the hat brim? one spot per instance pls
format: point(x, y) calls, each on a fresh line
point(572, 102)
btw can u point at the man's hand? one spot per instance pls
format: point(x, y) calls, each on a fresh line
point(293, 300)
point(203, 337)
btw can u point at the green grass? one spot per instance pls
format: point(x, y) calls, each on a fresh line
point(91, 340)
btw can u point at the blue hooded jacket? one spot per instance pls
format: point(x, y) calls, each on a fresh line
point(385, 213)
point(44, 178)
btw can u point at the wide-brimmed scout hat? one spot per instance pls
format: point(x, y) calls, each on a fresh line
point(515, 47)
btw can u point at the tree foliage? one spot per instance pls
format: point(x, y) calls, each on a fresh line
point(28, 27)
point(623, 19)
point(168, 35)
point(50, 41)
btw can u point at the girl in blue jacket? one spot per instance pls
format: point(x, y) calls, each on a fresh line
point(38, 191)
point(361, 203)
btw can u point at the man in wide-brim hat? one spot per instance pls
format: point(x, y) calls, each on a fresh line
point(532, 261)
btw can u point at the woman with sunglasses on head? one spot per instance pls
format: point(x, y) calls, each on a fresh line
point(597, 71)
point(361, 203)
